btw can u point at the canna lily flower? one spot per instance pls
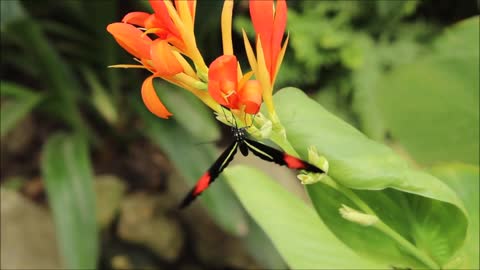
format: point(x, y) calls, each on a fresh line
point(226, 89)
point(160, 23)
point(173, 22)
point(131, 39)
point(269, 22)
point(156, 56)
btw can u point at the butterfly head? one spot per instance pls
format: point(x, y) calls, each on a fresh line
point(239, 133)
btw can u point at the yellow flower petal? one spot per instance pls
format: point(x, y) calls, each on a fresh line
point(227, 27)
point(250, 55)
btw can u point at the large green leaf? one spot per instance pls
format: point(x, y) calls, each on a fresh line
point(67, 173)
point(299, 235)
point(192, 158)
point(431, 105)
point(19, 101)
point(420, 208)
point(465, 180)
point(261, 247)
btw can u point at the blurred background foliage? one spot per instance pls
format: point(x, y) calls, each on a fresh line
point(405, 73)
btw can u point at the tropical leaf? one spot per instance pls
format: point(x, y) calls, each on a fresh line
point(417, 206)
point(465, 180)
point(302, 239)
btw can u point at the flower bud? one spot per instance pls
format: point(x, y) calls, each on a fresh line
point(355, 216)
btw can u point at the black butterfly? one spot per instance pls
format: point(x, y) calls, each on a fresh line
point(260, 150)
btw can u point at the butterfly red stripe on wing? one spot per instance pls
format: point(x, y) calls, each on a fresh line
point(202, 184)
point(293, 162)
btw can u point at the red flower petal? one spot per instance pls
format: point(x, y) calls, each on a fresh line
point(278, 30)
point(136, 18)
point(131, 39)
point(161, 12)
point(270, 27)
point(164, 62)
point(153, 22)
point(261, 13)
point(222, 81)
point(151, 100)
point(251, 96)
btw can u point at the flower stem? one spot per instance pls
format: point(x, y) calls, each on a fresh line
point(413, 250)
point(380, 225)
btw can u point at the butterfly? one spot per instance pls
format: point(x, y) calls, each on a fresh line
point(245, 145)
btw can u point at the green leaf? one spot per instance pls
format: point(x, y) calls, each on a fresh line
point(262, 249)
point(465, 180)
point(19, 102)
point(300, 236)
point(100, 98)
point(385, 179)
point(431, 105)
point(67, 173)
point(192, 160)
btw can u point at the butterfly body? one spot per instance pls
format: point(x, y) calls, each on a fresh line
point(245, 145)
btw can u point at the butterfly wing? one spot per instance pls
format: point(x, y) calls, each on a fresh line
point(273, 155)
point(220, 164)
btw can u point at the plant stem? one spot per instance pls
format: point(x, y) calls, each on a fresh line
point(424, 258)
point(380, 225)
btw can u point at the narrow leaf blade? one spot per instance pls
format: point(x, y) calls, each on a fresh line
point(68, 177)
point(19, 103)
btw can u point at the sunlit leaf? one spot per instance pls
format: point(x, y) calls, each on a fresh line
point(415, 204)
point(465, 180)
point(262, 249)
point(302, 239)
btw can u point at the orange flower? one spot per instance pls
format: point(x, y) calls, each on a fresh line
point(164, 62)
point(156, 56)
point(269, 24)
point(131, 39)
point(227, 90)
point(151, 100)
point(173, 22)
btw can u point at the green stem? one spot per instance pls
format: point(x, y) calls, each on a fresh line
point(424, 258)
point(380, 225)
